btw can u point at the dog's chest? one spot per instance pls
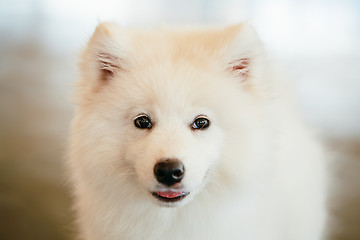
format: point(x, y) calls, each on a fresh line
point(239, 220)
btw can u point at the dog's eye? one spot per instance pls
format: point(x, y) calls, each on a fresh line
point(200, 123)
point(143, 122)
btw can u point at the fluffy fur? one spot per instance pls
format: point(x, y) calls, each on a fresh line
point(255, 174)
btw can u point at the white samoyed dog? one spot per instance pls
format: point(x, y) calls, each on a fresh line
point(190, 134)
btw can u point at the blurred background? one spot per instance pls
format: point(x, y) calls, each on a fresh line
point(317, 42)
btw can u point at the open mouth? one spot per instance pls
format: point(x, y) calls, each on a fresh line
point(170, 196)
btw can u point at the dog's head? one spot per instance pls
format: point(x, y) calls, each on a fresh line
point(163, 110)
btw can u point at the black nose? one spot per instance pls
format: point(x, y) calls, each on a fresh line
point(169, 171)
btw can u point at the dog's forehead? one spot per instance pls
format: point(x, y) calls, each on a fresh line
point(167, 93)
point(175, 70)
point(174, 65)
point(177, 85)
point(195, 45)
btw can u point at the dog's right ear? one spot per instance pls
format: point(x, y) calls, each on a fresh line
point(104, 56)
point(245, 55)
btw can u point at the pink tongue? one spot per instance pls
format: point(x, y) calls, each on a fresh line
point(169, 194)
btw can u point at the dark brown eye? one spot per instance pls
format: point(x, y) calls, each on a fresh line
point(200, 123)
point(143, 122)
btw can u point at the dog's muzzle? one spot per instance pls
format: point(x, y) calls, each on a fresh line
point(169, 173)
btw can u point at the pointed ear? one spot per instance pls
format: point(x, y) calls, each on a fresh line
point(245, 55)
point(105, 55)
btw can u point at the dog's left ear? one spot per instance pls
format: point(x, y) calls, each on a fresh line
point(245, 56)
point(105, 56)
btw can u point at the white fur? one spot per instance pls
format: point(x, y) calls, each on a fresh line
point(255, 174)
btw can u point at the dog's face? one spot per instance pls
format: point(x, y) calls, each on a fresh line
point(173, 141)
point(158, 109)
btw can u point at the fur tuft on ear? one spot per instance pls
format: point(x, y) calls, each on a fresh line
point(245, 54)
point(240, 67)
point(104, 56)
point(108, 65)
